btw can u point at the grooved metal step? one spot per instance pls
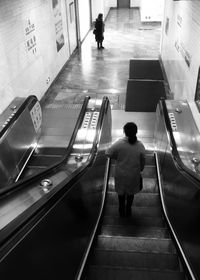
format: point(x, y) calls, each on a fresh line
point(135, 260)
point(119, 273)
point(135, 244)
point(149, 185)
point(134, 231)
point(143, 221)
point(140, 199)
point(137, 211)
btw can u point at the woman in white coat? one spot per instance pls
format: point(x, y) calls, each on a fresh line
point(129, 154)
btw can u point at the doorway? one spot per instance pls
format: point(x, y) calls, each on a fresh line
point(123, 4)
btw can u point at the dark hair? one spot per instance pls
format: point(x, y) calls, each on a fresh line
point(130, 130)
point(100, 16)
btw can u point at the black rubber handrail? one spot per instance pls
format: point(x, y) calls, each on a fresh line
point(188, 172)
point(24, 105)
point(22, 183)
point(78, 124)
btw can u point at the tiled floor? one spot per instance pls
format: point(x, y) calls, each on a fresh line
point(99, 73)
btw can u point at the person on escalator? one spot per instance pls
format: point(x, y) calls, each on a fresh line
point(129, 154)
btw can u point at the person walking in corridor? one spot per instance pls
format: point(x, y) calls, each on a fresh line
point(99, 31)
point(129, 154)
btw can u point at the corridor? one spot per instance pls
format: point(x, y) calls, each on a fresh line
point(97, 73)
point(105, 72)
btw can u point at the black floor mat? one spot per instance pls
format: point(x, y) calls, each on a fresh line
point(148, 69)
point(143, 95)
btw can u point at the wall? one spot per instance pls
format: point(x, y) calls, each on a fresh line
point(30, 59)
point(102, 6)
point(180, 48)
point(151, 10)
point(84, 17)
point(135, 3)
point(71, 23)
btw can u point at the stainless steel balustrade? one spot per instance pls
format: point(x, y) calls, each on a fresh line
point(177, 145)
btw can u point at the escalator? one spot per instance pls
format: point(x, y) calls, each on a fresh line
point(47, 218)
point(161, 239)
point(71, 228)
point(137, 247)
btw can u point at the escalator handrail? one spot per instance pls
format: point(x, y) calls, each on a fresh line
point(185, 261)
point(105, 186)
point(22, 183)
point(77, 126)
point(22, 107)
point(192, 175)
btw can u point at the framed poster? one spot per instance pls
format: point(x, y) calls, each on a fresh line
point(58, 24)
point(71, 12)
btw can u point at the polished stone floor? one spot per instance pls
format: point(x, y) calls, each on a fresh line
point(105, 72)
point(99, 73)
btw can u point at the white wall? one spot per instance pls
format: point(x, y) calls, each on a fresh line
point(71, 23)
point(180, 48)
point(151, 10)
point(135, 3)
point(84, 17)
point(102, 6)
point(29, 57)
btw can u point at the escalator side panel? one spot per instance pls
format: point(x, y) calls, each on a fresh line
point(181, 197)
point(18, 142)
point(53, 241)
point(55, 245)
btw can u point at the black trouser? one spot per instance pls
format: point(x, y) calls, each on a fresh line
point(125, 208)
point(99, 44)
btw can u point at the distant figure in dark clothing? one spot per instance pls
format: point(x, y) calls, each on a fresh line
point(99, 31)
point(129, 154)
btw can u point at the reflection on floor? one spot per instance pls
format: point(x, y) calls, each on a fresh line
point(105, 72)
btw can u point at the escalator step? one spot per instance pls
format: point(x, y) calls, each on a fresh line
point(135, 244)
point(107, 273)
point(143, 212)
point(140, 199)
point(134, 231)
point(149, 171)
point(134, 221)
point(135, 260)
point(150, 159)
point(149, 185)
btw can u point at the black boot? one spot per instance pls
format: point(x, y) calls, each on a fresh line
point(121, 199)
point(129, 203)
point(101, 45)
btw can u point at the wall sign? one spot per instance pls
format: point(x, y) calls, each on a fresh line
point(167, 26)
point(36, 116)
point(58, 24)
point(31, 43)
point(182, 50)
